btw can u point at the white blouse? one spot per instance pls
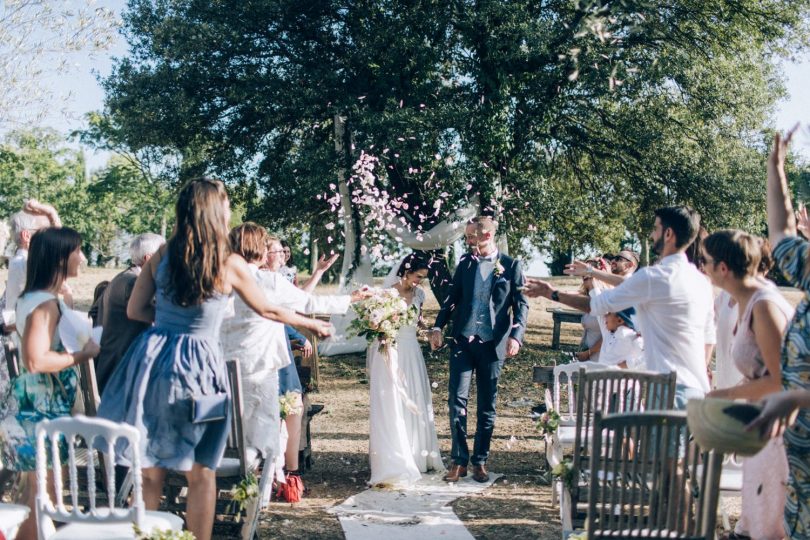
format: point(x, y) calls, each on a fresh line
point(260, 344)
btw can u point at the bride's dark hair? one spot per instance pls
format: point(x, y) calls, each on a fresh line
point(413, 263)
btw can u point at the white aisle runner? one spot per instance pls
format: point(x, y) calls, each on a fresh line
point(420, 512)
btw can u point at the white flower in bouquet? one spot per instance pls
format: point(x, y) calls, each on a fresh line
point(376, 317)
point(380, 317)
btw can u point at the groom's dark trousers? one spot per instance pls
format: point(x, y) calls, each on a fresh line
point(468, 356)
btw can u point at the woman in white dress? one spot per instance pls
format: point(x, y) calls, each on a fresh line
point(402, 432)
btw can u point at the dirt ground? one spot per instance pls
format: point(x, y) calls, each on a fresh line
point(517, 507)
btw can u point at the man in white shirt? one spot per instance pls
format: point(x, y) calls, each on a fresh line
point(673, 301)
point(24, 224)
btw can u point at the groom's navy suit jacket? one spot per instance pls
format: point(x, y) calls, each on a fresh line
point(505, 297)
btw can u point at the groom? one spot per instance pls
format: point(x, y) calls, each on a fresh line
point(484, 290)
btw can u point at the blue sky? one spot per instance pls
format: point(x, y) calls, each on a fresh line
point(82, 93)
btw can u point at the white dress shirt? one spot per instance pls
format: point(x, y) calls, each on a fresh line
point(14, 284)
point(674, 313)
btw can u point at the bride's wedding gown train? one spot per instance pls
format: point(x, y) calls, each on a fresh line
point(402, 432)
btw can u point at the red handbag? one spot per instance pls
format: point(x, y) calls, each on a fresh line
point(292, 490)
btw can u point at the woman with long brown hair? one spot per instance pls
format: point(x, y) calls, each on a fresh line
point(172, 384)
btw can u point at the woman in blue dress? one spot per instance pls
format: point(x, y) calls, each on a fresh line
point(174, 372)
point(46, 386)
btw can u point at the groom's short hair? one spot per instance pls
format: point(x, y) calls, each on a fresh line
point(484, 224)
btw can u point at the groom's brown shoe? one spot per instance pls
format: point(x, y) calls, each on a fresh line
point(480, 473)
point(456, 473)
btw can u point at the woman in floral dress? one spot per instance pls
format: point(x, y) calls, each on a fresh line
point(46, 387)
point(791, 254)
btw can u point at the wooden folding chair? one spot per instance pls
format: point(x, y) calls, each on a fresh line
point(234, 467)
point(609, 391)
point(647, 479)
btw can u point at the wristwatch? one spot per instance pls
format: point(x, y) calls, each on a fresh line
point(555, 295)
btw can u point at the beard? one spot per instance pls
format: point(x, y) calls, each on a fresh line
point(658, 246)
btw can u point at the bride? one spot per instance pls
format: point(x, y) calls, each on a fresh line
point(402, 433)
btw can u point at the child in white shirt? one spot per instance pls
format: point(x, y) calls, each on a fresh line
point(623, 346)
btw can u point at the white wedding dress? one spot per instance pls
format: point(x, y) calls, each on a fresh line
point(402, 433)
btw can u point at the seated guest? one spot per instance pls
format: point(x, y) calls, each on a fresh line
point(119, 330)
point(261, 346)
point(731, 259)
point(673, 303)
point(623, 346)
point(46, 387)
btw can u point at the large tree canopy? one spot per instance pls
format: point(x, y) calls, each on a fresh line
point(570, 119)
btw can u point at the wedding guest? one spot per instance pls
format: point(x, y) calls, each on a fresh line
point(119, 330)
point(623, 346)
point(591, 342)
point(673, 303)
point(46, 387)
point(279, 290)
point(791, 254)
point(726, 315)
point(288, 271)
point(24, 224)
point(184, 288)
point(595, 330)
point(731, 259)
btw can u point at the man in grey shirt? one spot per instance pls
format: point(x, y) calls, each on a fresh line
point(119, 331)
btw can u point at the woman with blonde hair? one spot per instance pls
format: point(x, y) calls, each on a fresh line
point(172, 383)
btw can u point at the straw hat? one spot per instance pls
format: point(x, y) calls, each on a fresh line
point(719, 424)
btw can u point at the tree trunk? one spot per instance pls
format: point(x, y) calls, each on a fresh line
point(558, 261)
point(645, 250)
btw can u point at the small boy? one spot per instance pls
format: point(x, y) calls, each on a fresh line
point(623, 346)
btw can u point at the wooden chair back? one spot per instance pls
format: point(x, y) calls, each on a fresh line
point(88, 387)
point(236, 438)
point(612, 391)
point(76, 432)
point(647, 479)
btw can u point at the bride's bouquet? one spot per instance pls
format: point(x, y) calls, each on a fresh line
point(381, 316)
